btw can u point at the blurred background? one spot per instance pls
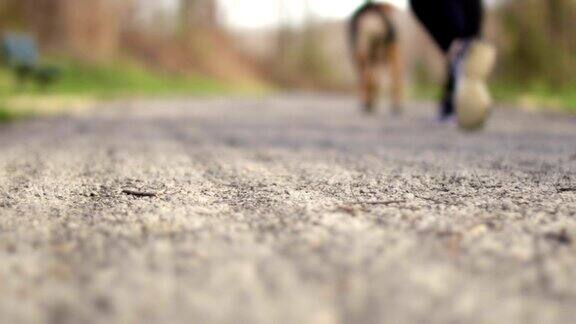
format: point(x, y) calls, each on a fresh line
point(108, 49)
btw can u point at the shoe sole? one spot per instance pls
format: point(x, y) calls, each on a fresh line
point(472, 97)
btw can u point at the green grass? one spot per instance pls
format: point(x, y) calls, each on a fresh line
point(126, 79)
point(540, 96)
point(117, 79)
point(5, 114)
point(85, 83)
point(537, 96)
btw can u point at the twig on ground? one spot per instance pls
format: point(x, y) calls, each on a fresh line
point(378, 202)
point(436, 201)
point(354, 207)
point(138, 193)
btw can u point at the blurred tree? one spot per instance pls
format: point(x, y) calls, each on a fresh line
point(283, 32)
point(300, 56)
point(87, 30)
point(11, 14)
point(198, 15)
point(282, 65)
point(538, 45)
point(312, 56)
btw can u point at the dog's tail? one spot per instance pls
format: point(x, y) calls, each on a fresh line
point(370, 28)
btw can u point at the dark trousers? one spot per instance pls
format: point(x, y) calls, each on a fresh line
point(447, 21)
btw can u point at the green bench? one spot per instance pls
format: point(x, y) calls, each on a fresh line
point(20, 54)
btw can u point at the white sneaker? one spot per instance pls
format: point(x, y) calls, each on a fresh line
point(472, 98)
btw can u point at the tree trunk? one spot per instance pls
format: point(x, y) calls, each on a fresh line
point(88, 30)
point(198, 14)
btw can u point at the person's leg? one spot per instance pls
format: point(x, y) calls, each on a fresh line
point(448, 21)
point(447, 108)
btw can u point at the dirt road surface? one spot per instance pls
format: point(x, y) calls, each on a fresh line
point(294, 209)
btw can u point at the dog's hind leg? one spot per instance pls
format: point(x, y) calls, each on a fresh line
point(397, 77)
point(369, 87)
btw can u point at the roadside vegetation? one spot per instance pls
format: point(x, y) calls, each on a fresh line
point(5, 114)
point(537, 65)
point(529, 97)
point(106, 50)
point(82, 84)
point(537, 96)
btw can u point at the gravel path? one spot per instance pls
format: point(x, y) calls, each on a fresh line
point(286, 210)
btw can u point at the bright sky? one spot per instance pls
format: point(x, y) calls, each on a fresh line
point(259, 13)
point(262, 13)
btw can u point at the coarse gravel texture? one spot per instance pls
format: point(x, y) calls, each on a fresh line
point(295, 209)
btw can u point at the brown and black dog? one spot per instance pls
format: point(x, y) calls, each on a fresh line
point(375, 44)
